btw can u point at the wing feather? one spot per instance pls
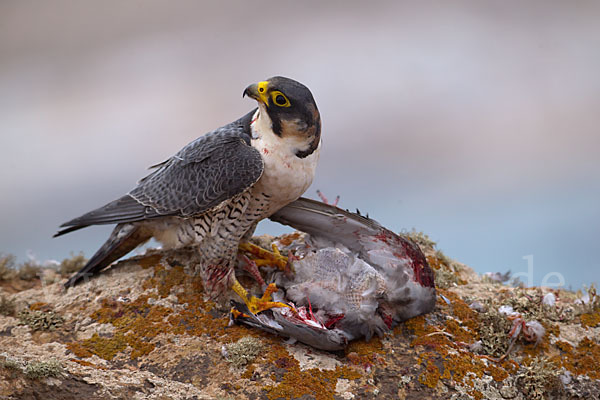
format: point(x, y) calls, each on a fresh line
point(208, 171)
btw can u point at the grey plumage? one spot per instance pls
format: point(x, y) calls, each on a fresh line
point(358, 277)
point(214, 191)
point(206, 172)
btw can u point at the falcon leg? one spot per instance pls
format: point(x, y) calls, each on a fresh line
point(250, 267)
point(265, 257)
point(256, 305)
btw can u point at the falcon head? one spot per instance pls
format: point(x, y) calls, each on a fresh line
point(288, 109)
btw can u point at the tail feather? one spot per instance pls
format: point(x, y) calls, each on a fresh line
point(67, 230)
point(124, 209)
point(123, 239)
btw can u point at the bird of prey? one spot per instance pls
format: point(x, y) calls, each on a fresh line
point(214, 191)
point(353, 278)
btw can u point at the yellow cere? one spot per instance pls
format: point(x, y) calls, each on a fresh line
point(262, 91)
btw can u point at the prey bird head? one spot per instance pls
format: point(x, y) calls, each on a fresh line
point(290, 110)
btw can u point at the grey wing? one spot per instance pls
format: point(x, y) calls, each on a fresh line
point(206, 172)
point(327, 221)
point(273, 322)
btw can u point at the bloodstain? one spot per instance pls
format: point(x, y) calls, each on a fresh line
point(422, 270)
point(333, 320)
point(388, 320)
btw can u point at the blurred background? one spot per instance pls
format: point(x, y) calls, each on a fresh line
point(476, 122)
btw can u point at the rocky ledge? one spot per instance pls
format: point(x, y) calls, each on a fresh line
point(143, 330)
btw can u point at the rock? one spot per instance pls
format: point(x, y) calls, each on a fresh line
point(144, 330)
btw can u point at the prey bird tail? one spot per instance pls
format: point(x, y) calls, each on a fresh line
point(124, 238)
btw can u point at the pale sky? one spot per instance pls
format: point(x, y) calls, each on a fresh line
point(476, 122)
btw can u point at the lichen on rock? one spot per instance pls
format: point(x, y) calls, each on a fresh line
point(145, 330)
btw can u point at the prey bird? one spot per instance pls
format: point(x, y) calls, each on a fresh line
point(215, 190)
point(353, 278)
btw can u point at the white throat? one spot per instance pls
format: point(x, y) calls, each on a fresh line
point(286, 176)
point(262, 131)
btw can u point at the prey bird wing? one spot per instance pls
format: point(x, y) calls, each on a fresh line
point(353, 278)
point(206, 172)
point(324, 220)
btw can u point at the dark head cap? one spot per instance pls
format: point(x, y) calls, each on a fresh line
point(291, 108)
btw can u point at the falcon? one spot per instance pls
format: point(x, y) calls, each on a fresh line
point(214, 191)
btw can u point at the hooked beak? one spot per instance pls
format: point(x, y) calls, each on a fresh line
point(258, 91)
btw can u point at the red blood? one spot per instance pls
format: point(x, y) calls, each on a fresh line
point(387, 319)
point(422, 270)
point(333, 320)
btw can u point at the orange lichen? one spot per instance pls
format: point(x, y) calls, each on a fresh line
point(106, 348)
point(552, 329)
point(442, 338)
point(296, 383)
point(581, 360)
point(417, 326)
point(137, 323)
point(434, 262)
point(590, 320)
point(87, 364)
point(461, 310)
point(39, 306)
point(445, 355)
point(149, 261)
point(140, 321)
point(500, 371)
point(431, 376)
point(249, 371)
point(288, 238)
point(316, 382)
point(363, 348)
point(164, 279)
point(564, 346)
point(79, 350)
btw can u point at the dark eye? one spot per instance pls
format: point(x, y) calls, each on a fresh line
point(280, 99)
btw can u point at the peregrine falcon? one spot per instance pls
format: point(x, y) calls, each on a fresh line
point(214, 191)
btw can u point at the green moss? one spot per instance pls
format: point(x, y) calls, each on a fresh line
point(44, 369)
point(493, 331)
point(7, 306)
point(40, 320)
point(445, 278)
point(9, 364)
point(538, 379)
point(244, 351)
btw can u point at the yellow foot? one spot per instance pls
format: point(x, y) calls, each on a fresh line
point(265, 257)
point(256, 305)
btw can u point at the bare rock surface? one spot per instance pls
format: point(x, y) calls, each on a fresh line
point(143, 330)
